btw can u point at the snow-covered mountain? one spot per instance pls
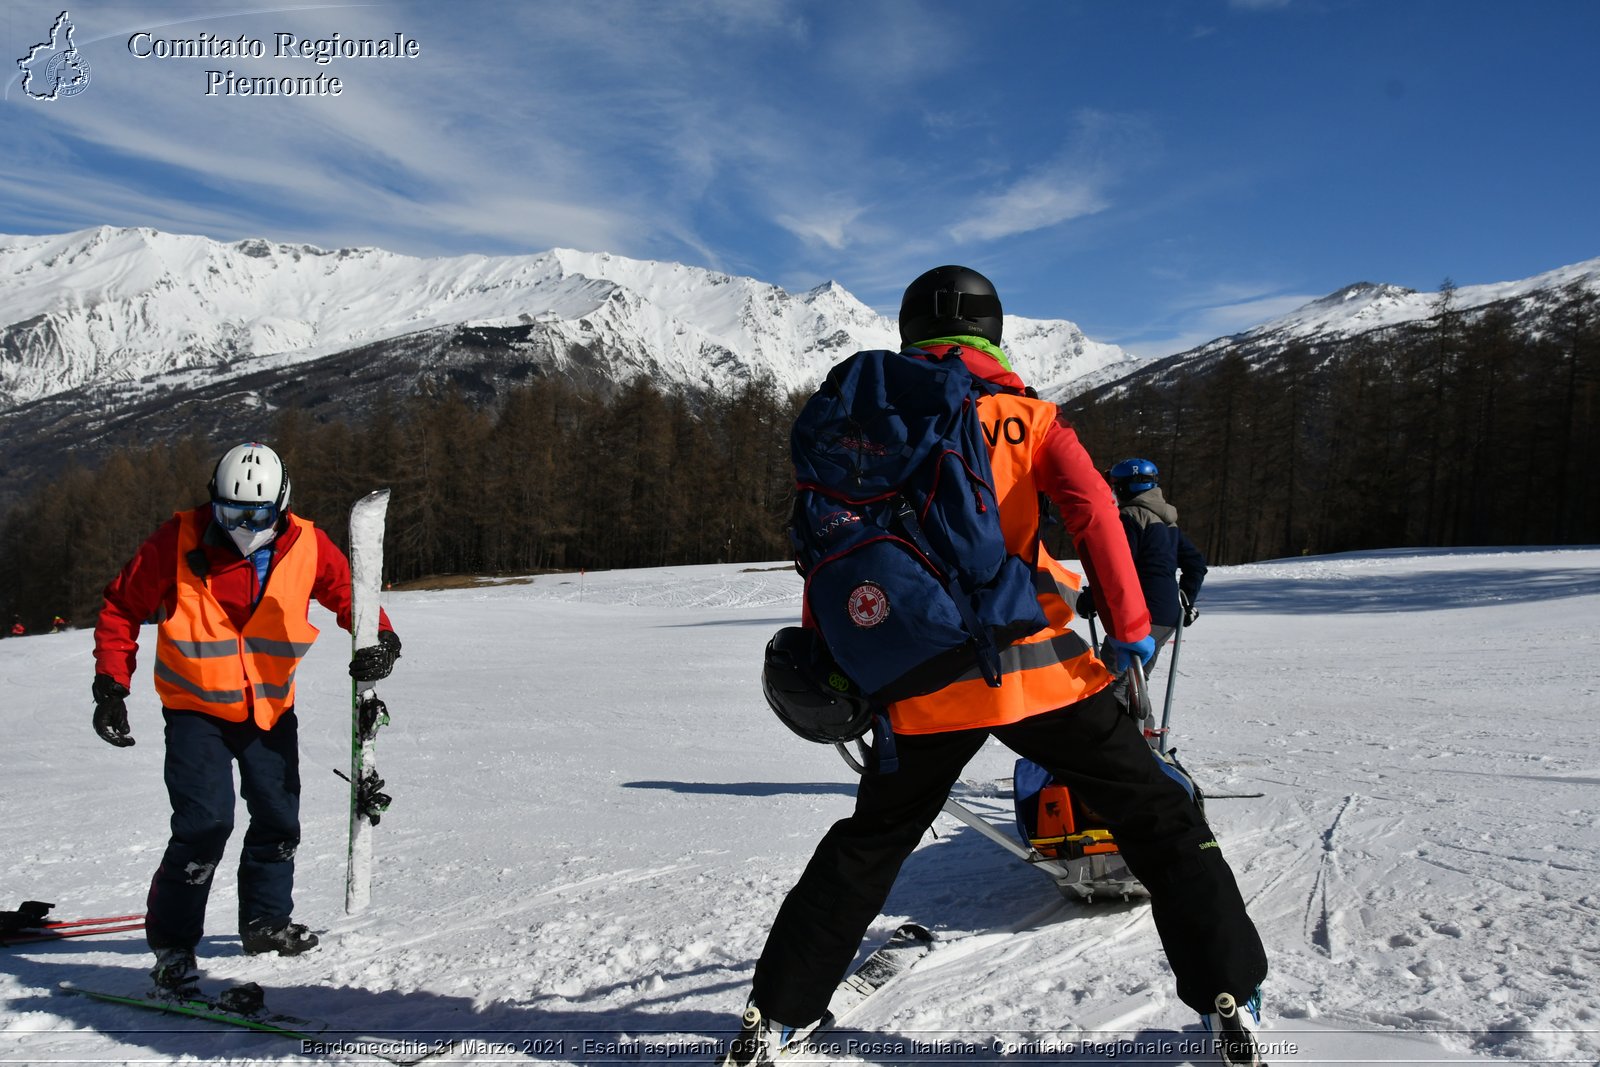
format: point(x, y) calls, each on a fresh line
point(126, 312)
point(1365, 306)
point(1333, 326)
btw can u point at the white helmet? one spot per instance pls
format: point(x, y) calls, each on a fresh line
point(249, 494)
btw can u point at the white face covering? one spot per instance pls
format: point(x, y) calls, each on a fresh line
point(247, 541)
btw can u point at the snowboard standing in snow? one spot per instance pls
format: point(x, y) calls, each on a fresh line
point(367, 800)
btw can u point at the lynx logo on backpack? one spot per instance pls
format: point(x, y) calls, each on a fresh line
point(835, 521)
point(868, 605)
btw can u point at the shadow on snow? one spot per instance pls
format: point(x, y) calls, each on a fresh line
point(1349, 593)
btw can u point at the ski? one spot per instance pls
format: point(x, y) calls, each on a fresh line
point(367, 712)
point(28, 924)
point(67, 924)
point(86, 928)
point(887, 962)
point(244, 1006)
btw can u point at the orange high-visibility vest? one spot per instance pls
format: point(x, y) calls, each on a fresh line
point(204, 664)
point(1050, 669)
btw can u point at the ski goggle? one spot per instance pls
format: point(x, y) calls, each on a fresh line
point(254, 517)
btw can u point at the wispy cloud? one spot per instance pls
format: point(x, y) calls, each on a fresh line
point(1036, 202)
point(1197, 320)
point(788, 140)
point(598, 126)
point(1100, 149)
point(663, 131)
point(828, 225)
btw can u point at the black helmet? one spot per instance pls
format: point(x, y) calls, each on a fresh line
point(806, 689)
point(947, 301)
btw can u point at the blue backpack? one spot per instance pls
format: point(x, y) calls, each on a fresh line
point(896, 526)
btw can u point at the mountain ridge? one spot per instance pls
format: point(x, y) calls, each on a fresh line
point(106, 307)
point(116, 336)
point(1365, 306)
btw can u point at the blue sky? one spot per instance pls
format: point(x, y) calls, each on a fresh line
point(1160, 172)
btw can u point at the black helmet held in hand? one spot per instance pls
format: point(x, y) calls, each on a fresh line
point(806, 689)
point(949, 301)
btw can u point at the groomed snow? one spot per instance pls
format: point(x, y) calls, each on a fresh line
point(596, 817)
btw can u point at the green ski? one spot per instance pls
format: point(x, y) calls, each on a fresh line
point(243, 1006)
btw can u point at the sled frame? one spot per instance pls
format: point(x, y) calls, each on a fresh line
point(1068, 880)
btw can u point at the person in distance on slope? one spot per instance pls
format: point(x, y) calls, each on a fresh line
point(233, 582)
point(1161, 552)
point(1056, 705)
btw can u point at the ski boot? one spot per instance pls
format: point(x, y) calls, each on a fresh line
point(760, 1043)
point(175, 973)
point(1233, 1028)
point(290, 939)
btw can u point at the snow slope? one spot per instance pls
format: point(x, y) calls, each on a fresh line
point(596, 817)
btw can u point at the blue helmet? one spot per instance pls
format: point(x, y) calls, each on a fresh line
point(1133, 476)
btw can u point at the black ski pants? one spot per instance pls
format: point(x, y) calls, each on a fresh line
point(1095, 748)
point(201, 752)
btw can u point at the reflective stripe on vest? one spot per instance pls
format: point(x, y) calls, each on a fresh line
point(204, 664)
point(1052, 668)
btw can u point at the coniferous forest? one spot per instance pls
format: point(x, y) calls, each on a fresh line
point(552, 478)
point(1449, 433)
point(1460, 431)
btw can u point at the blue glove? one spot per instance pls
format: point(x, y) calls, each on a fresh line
point(1123, 652)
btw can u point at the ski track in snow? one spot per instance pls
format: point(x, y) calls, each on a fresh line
point(596, 818)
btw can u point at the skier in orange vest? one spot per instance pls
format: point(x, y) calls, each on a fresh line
point(1056, 704)
point(232, 581)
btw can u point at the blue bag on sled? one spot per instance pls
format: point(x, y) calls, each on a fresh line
point(896, 527)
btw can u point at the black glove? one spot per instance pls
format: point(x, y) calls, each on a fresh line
point(110, 713)
point(1190, 612)
point(30, 915)
point(376, 661)
point(1085, 605)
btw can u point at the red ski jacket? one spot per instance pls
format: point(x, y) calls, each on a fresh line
point(147, 587)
